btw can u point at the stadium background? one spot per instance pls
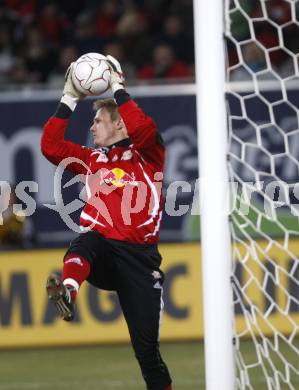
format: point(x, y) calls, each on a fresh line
point(154, 41)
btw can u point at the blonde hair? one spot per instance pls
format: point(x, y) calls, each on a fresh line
point(110, 105)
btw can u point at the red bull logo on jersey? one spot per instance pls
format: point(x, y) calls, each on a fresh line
point(119, 178)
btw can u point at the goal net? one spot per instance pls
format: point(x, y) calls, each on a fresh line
point(263, 101)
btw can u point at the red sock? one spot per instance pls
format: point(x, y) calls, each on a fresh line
point(169, 387)
point(75, 270)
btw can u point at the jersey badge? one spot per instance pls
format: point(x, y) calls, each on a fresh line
point(119, 178)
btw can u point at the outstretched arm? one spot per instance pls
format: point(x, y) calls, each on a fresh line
point(53, 145)
point(141, 128)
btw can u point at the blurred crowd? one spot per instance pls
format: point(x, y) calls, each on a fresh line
point(152, 39)
point(16, 230)
point(264, 39)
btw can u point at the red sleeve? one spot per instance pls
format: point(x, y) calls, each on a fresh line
point(143, 132)
point(55, 148)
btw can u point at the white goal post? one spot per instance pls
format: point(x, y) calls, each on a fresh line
point(256, 269)
point(212, 148)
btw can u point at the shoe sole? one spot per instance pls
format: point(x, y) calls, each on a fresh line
point(56, 292)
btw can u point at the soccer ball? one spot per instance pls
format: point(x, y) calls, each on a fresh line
point(91, 73)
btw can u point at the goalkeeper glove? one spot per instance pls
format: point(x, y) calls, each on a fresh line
point(70, 95)
point(117, 80)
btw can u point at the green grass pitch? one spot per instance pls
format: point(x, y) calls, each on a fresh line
point(94, 368)
point(102, 367)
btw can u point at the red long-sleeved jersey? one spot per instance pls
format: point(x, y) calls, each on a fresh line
point(123, 183)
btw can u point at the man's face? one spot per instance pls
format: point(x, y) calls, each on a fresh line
point(105, 132)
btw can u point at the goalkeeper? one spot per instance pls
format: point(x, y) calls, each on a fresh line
point(118, 250)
